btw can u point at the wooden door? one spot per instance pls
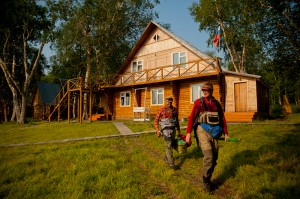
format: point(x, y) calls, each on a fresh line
point(240, 97)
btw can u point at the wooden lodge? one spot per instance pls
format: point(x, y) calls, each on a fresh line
point(162, 64)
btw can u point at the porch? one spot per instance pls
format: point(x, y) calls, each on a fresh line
point(240, 116)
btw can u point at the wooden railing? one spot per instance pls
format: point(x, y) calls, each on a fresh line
point(178, 71)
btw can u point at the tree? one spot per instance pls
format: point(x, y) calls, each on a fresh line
point(24, 26)
point(260, 37)
point(237, 23)
point(95, 36)
point(280, 35)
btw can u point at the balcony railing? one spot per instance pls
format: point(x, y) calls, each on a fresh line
point(169, 72)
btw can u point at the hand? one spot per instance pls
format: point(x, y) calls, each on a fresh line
point(188, 138)
point(158, 134)
point(226, 137)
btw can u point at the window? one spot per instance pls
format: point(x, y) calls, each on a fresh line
point(156, 37)
point(157, 96)
point(125, 98)
point(179, 58)
point(137, 66)
point(196, 92)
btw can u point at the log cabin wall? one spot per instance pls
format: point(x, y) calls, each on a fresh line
point(179, 90)
point(126, 112)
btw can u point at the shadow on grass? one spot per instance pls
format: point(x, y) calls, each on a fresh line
point(195, 154)
point(286, 147)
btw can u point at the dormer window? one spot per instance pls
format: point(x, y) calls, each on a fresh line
point(137, 66)
point(156, 37)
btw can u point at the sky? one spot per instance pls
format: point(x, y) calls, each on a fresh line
point(176, 13)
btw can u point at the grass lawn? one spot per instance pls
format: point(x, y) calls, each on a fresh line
point(265, 164)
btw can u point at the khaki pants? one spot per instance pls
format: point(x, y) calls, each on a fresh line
point(169, 149)
point(210, 151)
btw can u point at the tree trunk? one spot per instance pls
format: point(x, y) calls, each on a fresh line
point(5, 112)
point(15, 101)
point(74, 107)
point(23, 109)
point(86, 85)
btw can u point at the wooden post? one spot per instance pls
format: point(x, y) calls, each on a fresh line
point(218, 65)
point(80, 101)
point(59, 103)
point(69, 99)
point(78, 108)
point(91, 92)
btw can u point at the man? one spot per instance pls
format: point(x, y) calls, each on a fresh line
point(167, 118)
point(209, 145)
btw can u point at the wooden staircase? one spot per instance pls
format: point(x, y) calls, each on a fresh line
point(239, 116)
point(63, 98)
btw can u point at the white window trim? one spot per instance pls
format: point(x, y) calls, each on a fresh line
point(179, 57)
point(125, 96)
point(163, 93)
point(191, 91)
point(137, 61)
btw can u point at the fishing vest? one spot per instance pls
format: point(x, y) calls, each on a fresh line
point(208, 117)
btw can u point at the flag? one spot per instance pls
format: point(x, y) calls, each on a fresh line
point(217, 37)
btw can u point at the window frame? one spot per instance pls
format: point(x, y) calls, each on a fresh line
point(179, 58)
point(138, 63)
point(199, 94)
point(157, 98)
point(129, 102)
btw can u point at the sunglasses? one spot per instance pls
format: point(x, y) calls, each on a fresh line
point(205, 90)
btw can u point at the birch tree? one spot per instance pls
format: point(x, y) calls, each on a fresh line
point(24, 29)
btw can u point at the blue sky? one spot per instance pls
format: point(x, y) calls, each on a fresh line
point(176, 13)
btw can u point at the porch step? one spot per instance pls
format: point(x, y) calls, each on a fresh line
point(239, 116)
point(96, 117)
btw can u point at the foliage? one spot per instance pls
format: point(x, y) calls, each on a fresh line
point(256, 167)
point(237, 25)
point(25, 26)
point(97, 35)
point(260, 37)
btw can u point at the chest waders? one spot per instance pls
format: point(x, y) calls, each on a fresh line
point(168, 130)
point(209, 145)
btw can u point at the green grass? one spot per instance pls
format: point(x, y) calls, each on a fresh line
point(42, 132)
point(264, 164)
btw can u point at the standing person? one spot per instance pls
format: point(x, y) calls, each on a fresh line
point(209, 145)
point(167, 118)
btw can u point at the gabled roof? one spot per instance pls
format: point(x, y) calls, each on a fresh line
point(257, 77)
point(150, 27)
point(48, 91)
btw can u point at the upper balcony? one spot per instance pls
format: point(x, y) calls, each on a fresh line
point(203, 67)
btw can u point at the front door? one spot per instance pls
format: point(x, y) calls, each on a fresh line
point(240, 97)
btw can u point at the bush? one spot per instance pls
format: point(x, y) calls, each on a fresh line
point(295, 108)
point(276, 110)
